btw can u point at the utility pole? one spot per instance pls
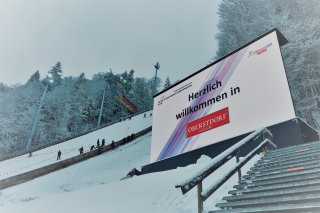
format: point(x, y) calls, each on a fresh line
point(157, 66)
point(101, 107)
point(35, 121)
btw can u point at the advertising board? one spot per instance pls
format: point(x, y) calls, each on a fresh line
point(236, 95)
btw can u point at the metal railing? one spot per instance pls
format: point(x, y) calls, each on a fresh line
point(196, 179)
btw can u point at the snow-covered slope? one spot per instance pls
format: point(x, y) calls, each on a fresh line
point(21, 164)
point(94, 186)
point(106, 168)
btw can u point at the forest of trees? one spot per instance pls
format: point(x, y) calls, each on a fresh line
point(243, 21)
point(71, 105)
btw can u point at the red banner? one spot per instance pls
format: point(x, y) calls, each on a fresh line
point(208, 122)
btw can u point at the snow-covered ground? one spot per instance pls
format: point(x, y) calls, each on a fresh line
point(94, 185)
point(106, 168)
point(41, 158)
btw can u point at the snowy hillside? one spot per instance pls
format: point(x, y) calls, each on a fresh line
point(107, 168)
point(94, 185)
point(70, 148)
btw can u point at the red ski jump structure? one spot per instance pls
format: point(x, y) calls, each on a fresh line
point(118, 95)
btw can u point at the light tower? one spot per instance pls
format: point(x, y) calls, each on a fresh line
point(35, 121)
point(157, 66)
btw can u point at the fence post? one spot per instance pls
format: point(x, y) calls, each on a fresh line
point(200, 202)
point(239, 171)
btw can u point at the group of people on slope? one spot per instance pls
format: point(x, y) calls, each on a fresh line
point(98, 146)
point(93, 147)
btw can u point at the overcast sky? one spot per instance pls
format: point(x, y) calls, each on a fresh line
point(92, 36)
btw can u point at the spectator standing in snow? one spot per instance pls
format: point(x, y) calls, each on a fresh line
point(112, 144)
point(103, 142)
point(92, 148)
point(59, 155)
point(145, 115)
point(30, 154)
point(81, 150)
point(98, 143)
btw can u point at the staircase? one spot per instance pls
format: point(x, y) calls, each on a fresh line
point(284, 180)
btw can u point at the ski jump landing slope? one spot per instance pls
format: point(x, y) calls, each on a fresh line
point(94, 186)
point(48, 156)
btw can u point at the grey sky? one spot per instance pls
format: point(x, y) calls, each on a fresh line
point(92, 36)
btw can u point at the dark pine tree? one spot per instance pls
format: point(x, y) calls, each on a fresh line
point(35, 77)
point(56, 73)
point(167, 83)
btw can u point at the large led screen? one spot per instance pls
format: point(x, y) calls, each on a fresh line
point(244, 91)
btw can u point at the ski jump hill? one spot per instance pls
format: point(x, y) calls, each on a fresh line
point(280, 157)
point(283, 180)
point(23, 168)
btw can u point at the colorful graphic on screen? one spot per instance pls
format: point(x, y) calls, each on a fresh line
point(244, 91)
point(221, 73)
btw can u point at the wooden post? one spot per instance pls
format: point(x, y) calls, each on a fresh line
point(200, 202)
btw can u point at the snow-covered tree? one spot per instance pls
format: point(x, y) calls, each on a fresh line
point(4, 88)
point(56, 73)
point(71, 106)
point(167, 83)
point(155, 84)
point(127, 80)
point(143, 93)
point(35, 77)
point(242, 21)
